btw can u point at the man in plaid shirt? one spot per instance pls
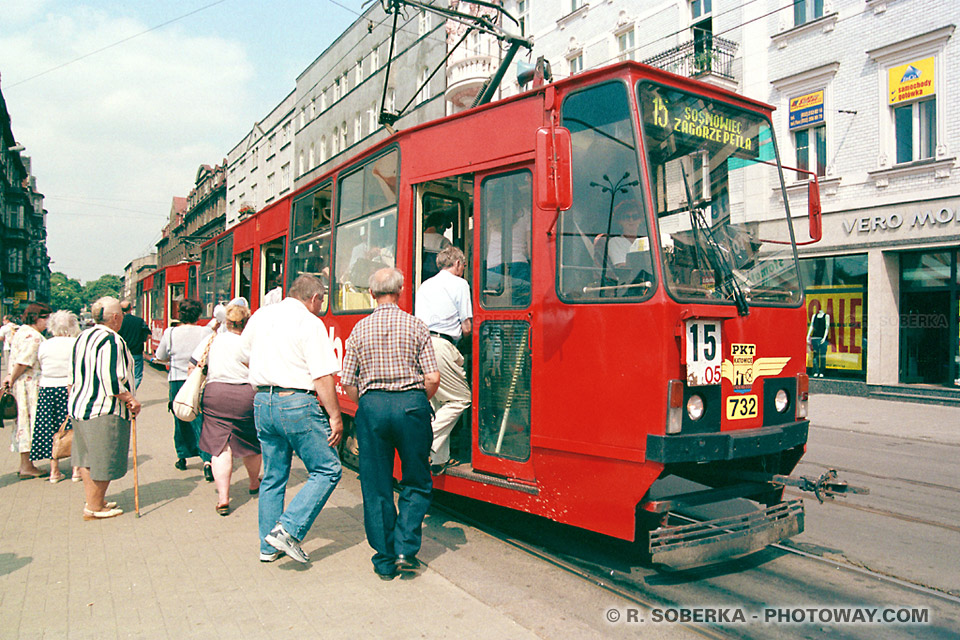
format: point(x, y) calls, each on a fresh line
point(390, 371)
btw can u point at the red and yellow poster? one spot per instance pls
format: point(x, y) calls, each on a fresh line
point(845, 306)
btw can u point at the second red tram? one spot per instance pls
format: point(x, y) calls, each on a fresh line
point(159, 296)
point(638, 311)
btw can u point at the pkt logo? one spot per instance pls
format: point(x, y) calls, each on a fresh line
point(744, 369)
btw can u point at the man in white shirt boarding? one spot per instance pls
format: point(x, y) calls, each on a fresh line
point(292, 366)
point(443, 303)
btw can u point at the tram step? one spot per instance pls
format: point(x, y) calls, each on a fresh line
point(466, 471)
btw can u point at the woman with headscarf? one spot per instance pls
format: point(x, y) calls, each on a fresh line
point(176, 346)
point(54, 356)
point(24, 379)
point(228, 427)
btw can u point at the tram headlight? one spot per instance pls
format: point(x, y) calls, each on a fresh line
point(782, 401)
point(695, 407)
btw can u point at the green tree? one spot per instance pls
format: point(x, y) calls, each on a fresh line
point(65, 293)
point(108, 285)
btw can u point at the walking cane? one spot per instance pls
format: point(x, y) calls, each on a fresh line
point(136, 480)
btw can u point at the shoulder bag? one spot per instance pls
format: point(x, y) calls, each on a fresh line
point(186, 404)
point(63, 441)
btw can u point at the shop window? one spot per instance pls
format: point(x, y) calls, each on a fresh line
point(838, 286)
point(805, 11)
point(916, 130)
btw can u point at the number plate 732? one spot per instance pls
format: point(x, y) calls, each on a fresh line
point(739, 407)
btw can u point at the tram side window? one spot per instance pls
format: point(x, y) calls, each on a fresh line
point(506, 210)
point(177, 294)
point(156, 296)
point(208, 271)
point(224, 268)
point(244, 274)
point(271, 266)
point(366, 231)
point(604, 239)
point(310, 249)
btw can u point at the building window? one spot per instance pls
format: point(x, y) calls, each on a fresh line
point(391, 105)
point(286, 133)
point(303, 118)
point(336, 89)
point(575, 4)
point(424, 93)
point(916, 130)
point(374, 60)
point(812, 149)
point(372, 116)
point(700, 8)
point(575, 63)
point(359, 72)
point(285, 177)
point(303, 166)
point(313, 108)
point(343, 136)
point(335, 142)
point(323, 149)
point(323, 101)
point(271, 143)
point(805, 11)
point(626, 44)
point(312, 158)
point(357, 127)
point(522, 7)
point(423, 23)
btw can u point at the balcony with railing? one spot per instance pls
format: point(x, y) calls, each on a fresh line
point(709, 58)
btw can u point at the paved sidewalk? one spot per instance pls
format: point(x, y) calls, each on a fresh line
point(910, 420)
point(182, 571)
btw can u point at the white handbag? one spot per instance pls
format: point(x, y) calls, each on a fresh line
point(186, 404)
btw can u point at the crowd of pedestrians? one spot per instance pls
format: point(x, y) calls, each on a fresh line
point(270, 394)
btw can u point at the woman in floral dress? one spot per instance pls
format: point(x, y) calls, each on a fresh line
point(24, 378)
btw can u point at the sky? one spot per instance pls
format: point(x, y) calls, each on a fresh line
point(114, 135)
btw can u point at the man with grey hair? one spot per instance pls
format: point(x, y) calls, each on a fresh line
point(134, 332)
point(102, 403)
point(390, 371)
point(443, 303)
point(292, 366)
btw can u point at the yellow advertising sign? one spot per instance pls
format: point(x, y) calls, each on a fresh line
point(20, 295)
point(806, 109)
point(912, 80)
point(845, 339)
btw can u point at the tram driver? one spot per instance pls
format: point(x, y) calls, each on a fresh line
point(624, 255)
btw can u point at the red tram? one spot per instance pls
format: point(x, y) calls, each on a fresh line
point(638, 311)
point(159, 296)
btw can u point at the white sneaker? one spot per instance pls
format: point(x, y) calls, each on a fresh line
point(283, 541)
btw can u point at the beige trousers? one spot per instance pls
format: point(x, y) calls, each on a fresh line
point(451, 399)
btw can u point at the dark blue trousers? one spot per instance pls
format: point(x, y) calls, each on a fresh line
point(389, 422)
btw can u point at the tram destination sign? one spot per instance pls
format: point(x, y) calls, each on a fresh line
point(697, 119)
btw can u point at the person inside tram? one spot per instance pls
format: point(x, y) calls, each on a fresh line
point(624, 255)
point(435, 224)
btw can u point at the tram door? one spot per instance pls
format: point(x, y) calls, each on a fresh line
point(502, 324)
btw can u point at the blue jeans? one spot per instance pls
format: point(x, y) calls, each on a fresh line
point(287, 425)
point(138, 370)
point(389, 422)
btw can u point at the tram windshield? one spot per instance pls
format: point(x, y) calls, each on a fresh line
point(723, 231)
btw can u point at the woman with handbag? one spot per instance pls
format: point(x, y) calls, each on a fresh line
point(228, 427)
point(176, 346)
point(24, 379)
point(55, 357)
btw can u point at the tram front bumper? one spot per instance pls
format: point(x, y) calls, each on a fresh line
point(725, 538)
point(727, 445)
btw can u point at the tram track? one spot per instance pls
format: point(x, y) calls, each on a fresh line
point(639, 584)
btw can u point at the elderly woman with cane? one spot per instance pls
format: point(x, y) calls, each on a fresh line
point(101, 407)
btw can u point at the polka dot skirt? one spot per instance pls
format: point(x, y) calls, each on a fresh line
point(51, 410)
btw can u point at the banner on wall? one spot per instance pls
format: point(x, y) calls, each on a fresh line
point(806, 109)
point(912, 80)
point(845, 307)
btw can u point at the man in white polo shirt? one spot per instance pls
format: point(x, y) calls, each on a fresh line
point(292, 366)
point(443, 303)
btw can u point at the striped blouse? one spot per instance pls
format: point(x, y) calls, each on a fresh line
point(102, 369)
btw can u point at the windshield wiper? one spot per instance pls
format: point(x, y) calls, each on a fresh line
point(717, 256)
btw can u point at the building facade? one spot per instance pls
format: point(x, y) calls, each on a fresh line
point(195, 219)
point(258, 167)
point(136, 270)
point(24, 264)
